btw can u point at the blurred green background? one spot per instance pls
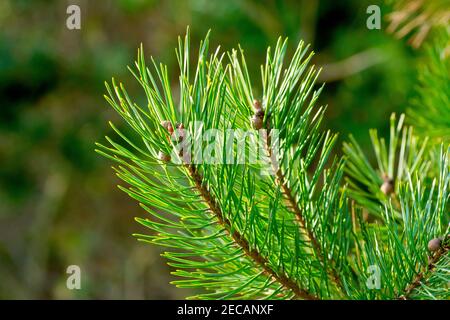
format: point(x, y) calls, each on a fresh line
point(58, 202)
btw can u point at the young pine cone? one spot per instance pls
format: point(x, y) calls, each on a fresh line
point(434, 244)
point(167, 125)
point(181, 133)
point(257, 105)
point(258, 116)
point(257, 122)
point(259, 113)
point(164, 157)
point(388, 185)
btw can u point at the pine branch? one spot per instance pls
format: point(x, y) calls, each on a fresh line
point(233, 230)
point(372, 186)
point(400, 249)
point(242, 242)
point(435, 283)
point(300, 137)
point(295, 207)
point(423, 275)
point(270, 261)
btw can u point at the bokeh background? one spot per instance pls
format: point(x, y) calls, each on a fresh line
point(59, 204)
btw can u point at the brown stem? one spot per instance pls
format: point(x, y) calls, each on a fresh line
point(297, 212)
point(418, 279)
point(242, 242)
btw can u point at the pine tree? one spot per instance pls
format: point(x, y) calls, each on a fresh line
point(290, 226)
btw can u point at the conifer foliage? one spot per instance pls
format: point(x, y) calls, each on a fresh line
point(291, 226)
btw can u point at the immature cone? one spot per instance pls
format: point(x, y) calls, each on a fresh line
point(259, 113)
point(257, 118)
point(163, 156)
point(181, 134)
point(257, 122)
point(388, 185)
point(434, 244)
point(166, 124)
point(257, 105)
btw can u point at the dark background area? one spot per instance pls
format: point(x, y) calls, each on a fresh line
point(58, 202)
